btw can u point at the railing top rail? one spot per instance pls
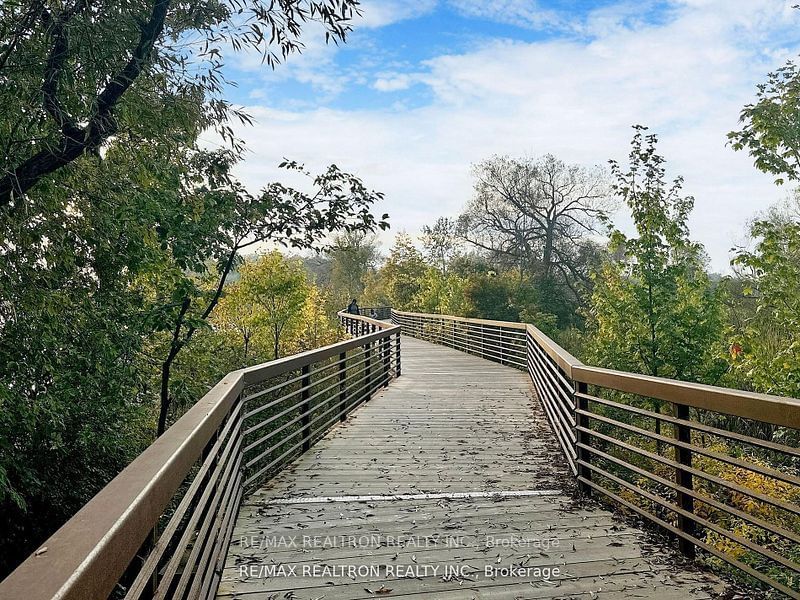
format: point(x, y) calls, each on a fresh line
point(767, 408)
point(777, 410)
point(86, 556)
point(506, 324)
point(377, 322)
point(564, 359)
point(259, 373)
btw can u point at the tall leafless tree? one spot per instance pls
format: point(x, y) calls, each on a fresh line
point(537, 215)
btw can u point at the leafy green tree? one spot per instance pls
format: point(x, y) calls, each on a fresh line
point(399, 280)
point(490, 296)
point(280, 288)
point(654, 310)
point(442, 293)
point(239, 315)
point(75, 73)
point(770, 131)
point(353, 255)
point(766, 348)
point(441, 242)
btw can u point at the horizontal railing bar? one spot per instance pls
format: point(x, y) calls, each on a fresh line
point(736, 462)
point(562, 358)
point(766, 444)
point(310, 385)
point(548, 361)
point(771, 527)
point(257, 374)
point(284, 412)
point(750, 405)
point(696, 541)
point(564, 409)
point(288, 424)
point(272, 403)
point(694, 517)
point(377, 323)
point(299, 444)
point(507, 324)
point(295, 379)
point(696, 472)
point(563, 417)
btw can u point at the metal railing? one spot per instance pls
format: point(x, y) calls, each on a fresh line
point(162, 527)
point(383, 313)
point(715, 467)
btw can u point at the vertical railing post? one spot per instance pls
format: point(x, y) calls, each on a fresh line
point(368, 368)
point(305, 407)
point(684, 479)
point(386, 360)
point(342, 378)
point(584, 456)
point(397, 356)
point(483, 343)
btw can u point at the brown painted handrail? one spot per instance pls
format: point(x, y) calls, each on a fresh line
point(777, 410)
point(96, 550)
point(85, 558)
point(610, 441)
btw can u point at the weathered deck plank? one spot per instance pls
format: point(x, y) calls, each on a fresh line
point(452, 423)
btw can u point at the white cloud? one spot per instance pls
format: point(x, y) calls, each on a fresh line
point(521, 13)
point(393, 82)
point(687, 79)
point(379, 13)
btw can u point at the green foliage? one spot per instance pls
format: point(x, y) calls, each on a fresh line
point(400, 279)
point(352, 257)
point(441, 242)
point(767, 345)
point(74, 74)
point(279, 289)
point(654, 311)
point(770, 131)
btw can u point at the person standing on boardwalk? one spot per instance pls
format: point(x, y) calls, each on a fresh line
point(352, 308)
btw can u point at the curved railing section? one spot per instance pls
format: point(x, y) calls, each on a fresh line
point(715, 467)
point(162, 527)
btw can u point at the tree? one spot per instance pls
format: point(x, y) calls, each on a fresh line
point(280, 215)
point(73, 74)
point(534, 216)
point(441, 242)
point(352, 256)
point(766, 346)
point(770, 126)
point(280, 289)
point(399, 278)
point(239, 314)
point(654, 310)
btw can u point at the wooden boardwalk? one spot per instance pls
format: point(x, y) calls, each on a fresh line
point(446, 485)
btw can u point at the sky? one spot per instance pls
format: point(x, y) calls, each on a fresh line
point(424, 89)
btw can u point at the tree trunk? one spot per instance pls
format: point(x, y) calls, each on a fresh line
point(165, 399)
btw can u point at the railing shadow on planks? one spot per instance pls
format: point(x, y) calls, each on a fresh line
point(162, 527)
point(717, 468)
